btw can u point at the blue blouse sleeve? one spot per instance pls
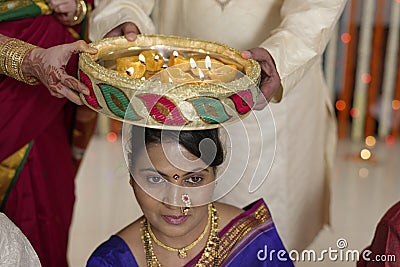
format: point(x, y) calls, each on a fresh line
point(114, 252)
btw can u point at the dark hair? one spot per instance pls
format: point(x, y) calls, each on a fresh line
point(210, 152)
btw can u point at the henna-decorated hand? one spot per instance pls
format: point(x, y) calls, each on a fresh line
point(64, 10)
point(128, 29)
point(48, 66)
point(270, 80)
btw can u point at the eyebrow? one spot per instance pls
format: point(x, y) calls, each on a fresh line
point(165, 175)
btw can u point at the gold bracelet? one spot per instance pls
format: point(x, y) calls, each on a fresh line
point(80, 14)
point(12, 54)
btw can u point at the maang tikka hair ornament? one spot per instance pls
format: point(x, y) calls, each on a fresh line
point(187, 202)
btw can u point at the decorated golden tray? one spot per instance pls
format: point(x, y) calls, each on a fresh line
point(169, 81)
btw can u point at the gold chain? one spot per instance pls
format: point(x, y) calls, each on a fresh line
point(182, 252)
point(211, 250)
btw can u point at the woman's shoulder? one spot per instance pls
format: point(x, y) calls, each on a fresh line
point(131, 231)
point(226, 213)
point(132, 237)
point(117, 250)
point(113, 252)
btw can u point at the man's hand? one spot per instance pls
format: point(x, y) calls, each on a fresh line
point(64, 10)
point(127, 29)
point(270, 80)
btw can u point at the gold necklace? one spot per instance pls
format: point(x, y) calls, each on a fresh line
point(182, 252)
point(210, 255)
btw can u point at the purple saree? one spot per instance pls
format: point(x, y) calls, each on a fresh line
point(245, 241)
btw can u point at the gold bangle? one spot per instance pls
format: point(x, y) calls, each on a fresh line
point(12, 54)
point(80, 14)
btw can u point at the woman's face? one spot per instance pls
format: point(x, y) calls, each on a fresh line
point(162, 174)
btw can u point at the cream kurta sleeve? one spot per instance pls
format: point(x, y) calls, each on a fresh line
point(108, 14)
point(301, 37)
point(15, 249)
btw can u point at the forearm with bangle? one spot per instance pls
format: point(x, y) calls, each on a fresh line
point(12, 55)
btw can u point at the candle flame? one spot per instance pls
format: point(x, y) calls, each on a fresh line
point(142, 59)
point(201, 74)
point(193, 63)
point(175, 53)
point(156, 58)
point(130, 71)
point(208, 62)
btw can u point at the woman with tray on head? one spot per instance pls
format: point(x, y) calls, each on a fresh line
point(287, 38)
point(173, 176)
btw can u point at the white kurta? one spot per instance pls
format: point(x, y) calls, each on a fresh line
point(295, 32)
point(15, 249)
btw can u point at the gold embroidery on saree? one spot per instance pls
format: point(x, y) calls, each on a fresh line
point(8, 170)
point(13, 4)
point(43, 7)
point(240, 229)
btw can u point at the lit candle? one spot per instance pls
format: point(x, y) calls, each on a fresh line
point(130, 71)
point(208, 62)
point(156, 58)
point(142, 59)
point(201, 74)
point(175, 53)
point(192, 63)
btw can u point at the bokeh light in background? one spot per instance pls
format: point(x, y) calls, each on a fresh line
point(365, 154)
point(390, 140)
point(370, 141)
point(112, 137)
point(396, 105)
point(363, 172)
point(346, 37)
point(366, 78)
point(354, 112)
point(340, 105)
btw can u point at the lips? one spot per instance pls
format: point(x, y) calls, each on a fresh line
point(176, 220)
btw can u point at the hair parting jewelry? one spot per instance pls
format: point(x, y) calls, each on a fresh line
point(210, 255)
point(12, 54)
point(175, 176)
